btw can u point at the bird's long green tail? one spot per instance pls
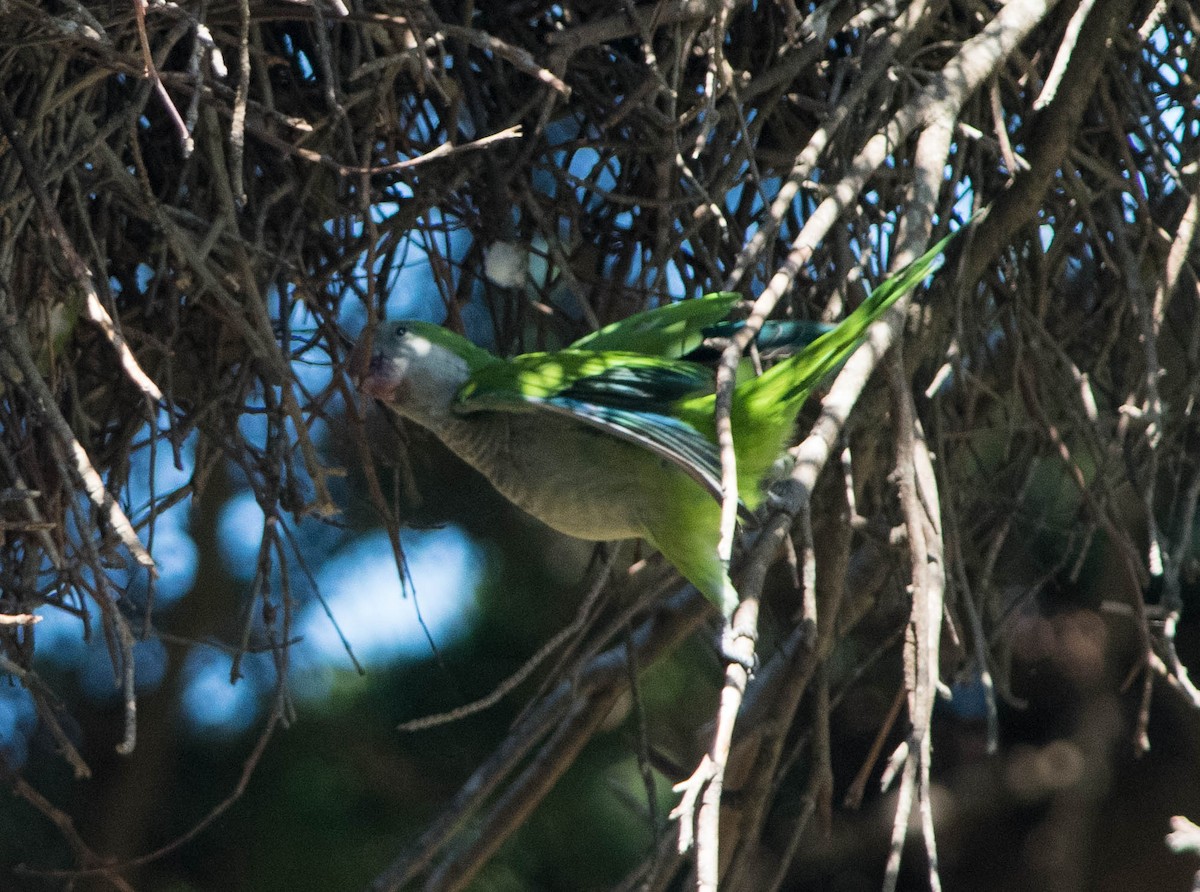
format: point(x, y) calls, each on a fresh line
point(794, 378)
point(765, 408)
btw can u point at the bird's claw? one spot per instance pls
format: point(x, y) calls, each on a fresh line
point(733, 651)
point(785, 495)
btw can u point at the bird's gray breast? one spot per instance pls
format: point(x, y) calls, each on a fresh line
point(571, 477)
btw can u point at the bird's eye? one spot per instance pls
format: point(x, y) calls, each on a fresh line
point(400, 330)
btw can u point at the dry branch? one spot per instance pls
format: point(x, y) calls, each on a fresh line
point(184, 240)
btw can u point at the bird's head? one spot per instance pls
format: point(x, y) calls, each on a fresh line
point(416, 368)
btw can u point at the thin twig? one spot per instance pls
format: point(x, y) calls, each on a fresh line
point(23, 369)
point(506, 687)
point(83, 276)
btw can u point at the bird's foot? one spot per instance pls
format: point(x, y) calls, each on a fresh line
point(737, 646)
point(786, 495)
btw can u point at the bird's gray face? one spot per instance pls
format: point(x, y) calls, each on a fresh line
point(408, 371)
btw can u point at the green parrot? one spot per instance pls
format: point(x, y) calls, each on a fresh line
point(613, 437)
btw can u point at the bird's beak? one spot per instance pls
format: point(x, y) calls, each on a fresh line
point(374, 381)
point(373, 375)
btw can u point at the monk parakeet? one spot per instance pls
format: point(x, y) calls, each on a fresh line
point(614, 437)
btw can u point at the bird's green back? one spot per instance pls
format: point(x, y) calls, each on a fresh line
point(669, 331)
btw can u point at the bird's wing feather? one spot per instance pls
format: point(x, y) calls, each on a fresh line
point(669, 331)
point(627, 396)
point(777, 338)
point(629, 380)
point(665, 436)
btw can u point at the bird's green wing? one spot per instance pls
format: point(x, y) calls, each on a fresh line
point(626, 395)
point(669, 331)
point(631, 380)
point(777, 338)
point(664, 435)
